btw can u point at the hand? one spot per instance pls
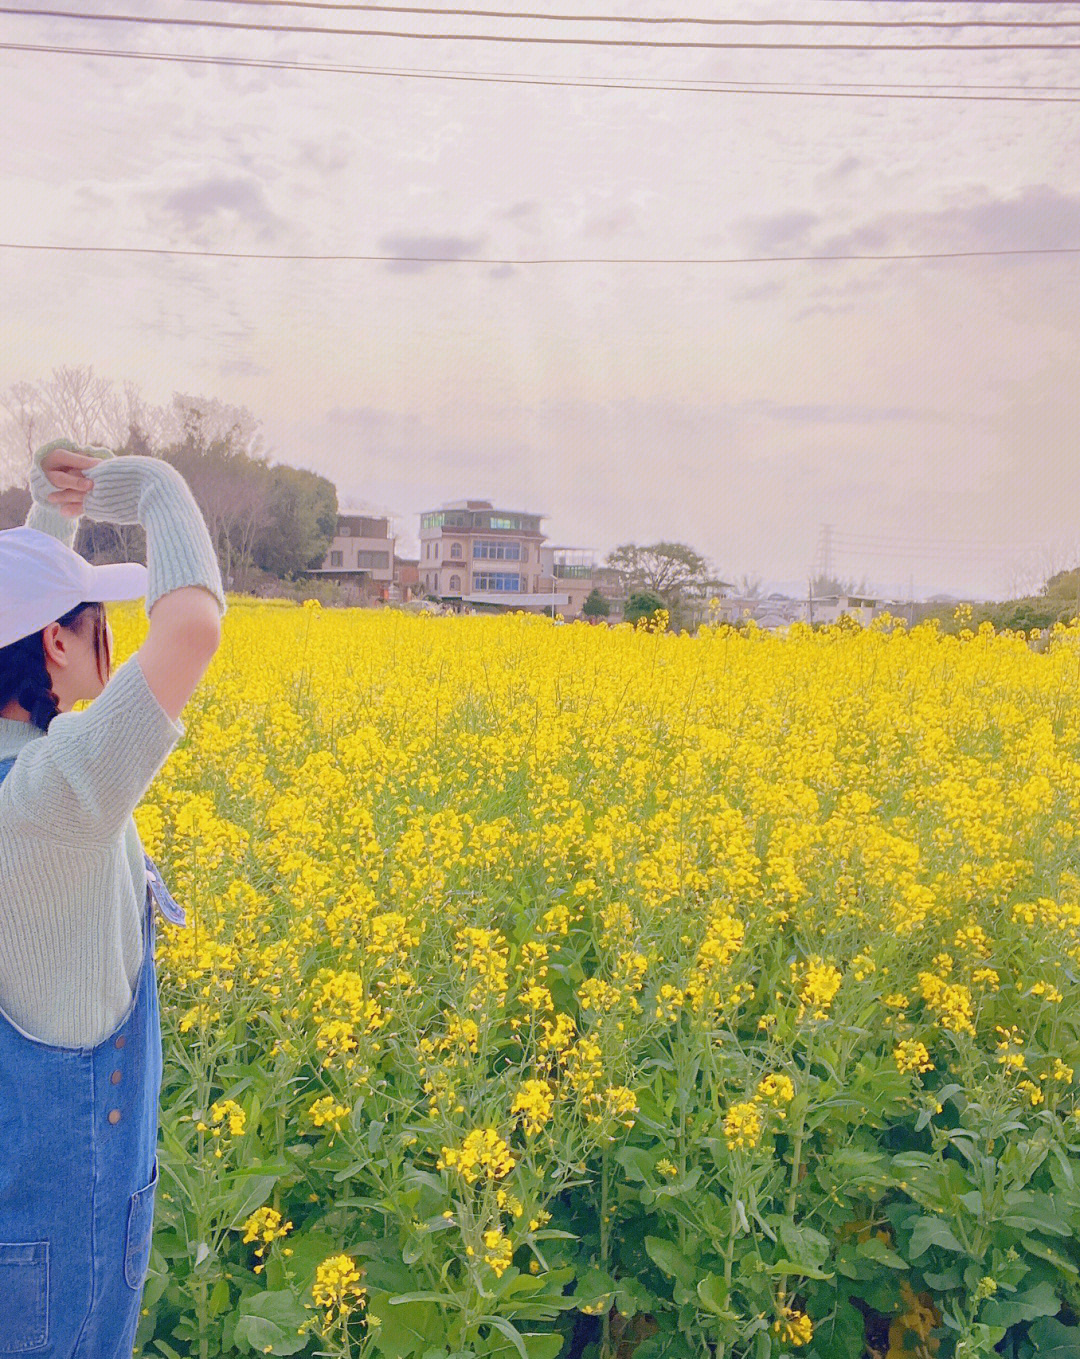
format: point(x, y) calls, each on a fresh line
point(64, 469)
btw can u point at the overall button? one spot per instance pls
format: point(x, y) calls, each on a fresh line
point(116, 1077)
point(121, 1041)
point(114, 1115)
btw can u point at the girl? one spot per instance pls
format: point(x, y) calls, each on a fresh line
point(80, 1045)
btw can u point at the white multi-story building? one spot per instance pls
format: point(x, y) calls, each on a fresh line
point(472, 554)
point(361, 552)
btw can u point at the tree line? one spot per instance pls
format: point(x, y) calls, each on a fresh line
point(266, 519)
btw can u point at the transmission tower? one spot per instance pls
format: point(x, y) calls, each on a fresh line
point(824, 551)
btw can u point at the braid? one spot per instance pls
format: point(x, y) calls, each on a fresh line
point(35, 691)
point(24, 676)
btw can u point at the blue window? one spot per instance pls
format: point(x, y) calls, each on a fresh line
point(497, 580)
point(496, 550)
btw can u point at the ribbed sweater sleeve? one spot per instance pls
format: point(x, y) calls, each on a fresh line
point(82, 780)
point(42, 516)
point(150, 492)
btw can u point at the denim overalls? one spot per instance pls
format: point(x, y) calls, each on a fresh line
point(78, 1174)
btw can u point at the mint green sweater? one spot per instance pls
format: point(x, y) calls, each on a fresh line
point(72, 877)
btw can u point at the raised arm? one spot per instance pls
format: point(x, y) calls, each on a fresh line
point(184, 596)
point(93, 767)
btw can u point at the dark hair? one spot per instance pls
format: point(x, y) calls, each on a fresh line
point(24, 676)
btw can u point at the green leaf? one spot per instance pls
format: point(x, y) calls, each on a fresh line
point(219, 1298)
point(1040, 1301)
point(636, 1162)
point(1035, 1213)
point(538, 1345)
point(309, 1250)
point(671, 1260)
point(799, 1267)
point(595, 1291)
point(632, 1297)
point(512, 1334)
point(405, 1330)
point(1047, 1253)
point(542, 1345)
point(804, 1245)
point(246, 1194)
point(676, 1188)
point(712, 1292)
point(1052, 1340)
point(272, 1319)
point(443, 1299)
point(875, 1249)
point(941, 1283)
point(514, 1282)
point(932, 1231)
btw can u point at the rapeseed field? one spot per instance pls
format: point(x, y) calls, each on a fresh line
point(586, 991)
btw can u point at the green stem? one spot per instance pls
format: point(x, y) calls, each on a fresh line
point(202, 1307)
point(201, 1300)
point(793, 1186)
point(729, 1258)
point(605, 1346)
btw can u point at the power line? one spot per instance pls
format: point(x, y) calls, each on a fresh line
point(907, 538)
point(855, 539)
point(924, 550)
point(909, 3)
point(512, 77)
point(353, 6)
point(838, 90)
point(559, 259)
point(925, 553)
point(953, 4)
point(930, 548)
point(532, 39)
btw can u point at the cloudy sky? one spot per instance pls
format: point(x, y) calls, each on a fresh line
point(927, 410)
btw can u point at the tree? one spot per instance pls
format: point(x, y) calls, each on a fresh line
point(1063, 585)
point(72, 403)
point(204, 420)
point(749, 587)
point(234, 493)
point(682, 579)
point(302, 520)
point(663, 568)
point(595, 606)
point(277, 517)
point(14, 507)
point(642, 604)
point(84, 407)
point(22, 431)
point(821, 585)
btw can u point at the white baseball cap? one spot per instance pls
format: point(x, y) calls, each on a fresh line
point(42, 578)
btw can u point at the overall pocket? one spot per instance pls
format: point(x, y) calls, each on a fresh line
point(140, 1232)
point(24, 1296)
